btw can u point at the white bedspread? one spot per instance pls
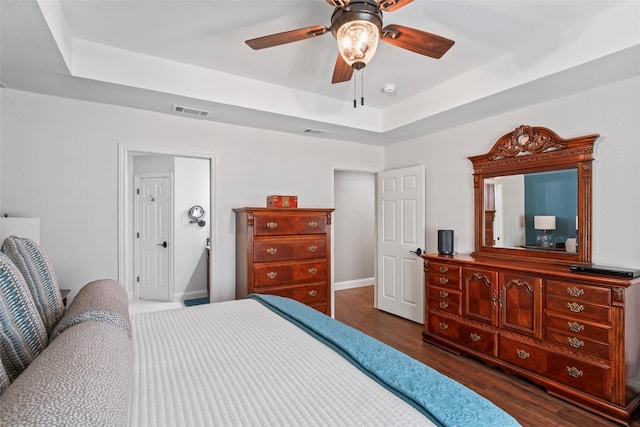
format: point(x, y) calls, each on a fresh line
point(238, 364)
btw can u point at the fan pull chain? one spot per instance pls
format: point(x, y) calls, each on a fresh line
point(355, 104)
point(355, 85)
point(362, 87)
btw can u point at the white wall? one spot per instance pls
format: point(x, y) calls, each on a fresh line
point(611, 111)
point(60, 163)
point(354, 226)
point(191, 187)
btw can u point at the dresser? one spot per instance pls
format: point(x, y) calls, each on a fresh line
point(285, 252)
point(575, 334)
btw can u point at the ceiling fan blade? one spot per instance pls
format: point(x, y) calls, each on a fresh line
point(338, 3)
point(286, 37)
point(342, 71)
point(391, 5)
point(416, 41)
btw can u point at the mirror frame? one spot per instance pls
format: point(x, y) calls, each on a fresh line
point(536, 149)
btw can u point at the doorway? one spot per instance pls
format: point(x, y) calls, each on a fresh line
point(183, 253)
point(353, 229)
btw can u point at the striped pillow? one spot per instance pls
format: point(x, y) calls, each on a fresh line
point(22, 333)
point(38, 272)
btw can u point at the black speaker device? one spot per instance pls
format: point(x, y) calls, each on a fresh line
point(445, 242)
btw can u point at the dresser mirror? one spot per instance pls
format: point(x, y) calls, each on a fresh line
point(532, 194)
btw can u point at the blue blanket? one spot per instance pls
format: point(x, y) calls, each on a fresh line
point(441, 399)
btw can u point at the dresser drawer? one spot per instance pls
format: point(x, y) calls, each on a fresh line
point(444, 326)
point(270, 274)
point(524, 355)
point(269, 223)
point(311, 294)
point(581, 344)
point(478, 339)
point(443, 269)
point(581, 375)
point(445, 299)
point(441, 274)
point(579, 328)
point(289, 248)
point(578, 309)
point(579, 292)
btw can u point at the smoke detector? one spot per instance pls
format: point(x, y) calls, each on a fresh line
point(389, 88)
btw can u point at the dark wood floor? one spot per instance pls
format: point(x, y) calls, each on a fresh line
point(526, 402)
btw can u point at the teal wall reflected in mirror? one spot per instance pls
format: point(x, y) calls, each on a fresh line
point(551, 193)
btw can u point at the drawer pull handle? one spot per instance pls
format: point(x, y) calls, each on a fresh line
point(575, 327)
point(522, 354)
point(444, 294)
point(574, 372)
point(272, 251)
point(444, 280)
point(575, 342)
point(313, 293)
point(443, 305)
point(443, 326)
point(575, 292)
point(272, 225)
point(475, 337)
point(272, 275)
point(312, 248)
point(313, 270)
point(443, 269)
point(313, 224)
point(575, 307)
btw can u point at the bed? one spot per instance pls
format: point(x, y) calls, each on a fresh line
point(267, 360)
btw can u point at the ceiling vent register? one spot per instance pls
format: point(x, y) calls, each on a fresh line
point(190, 110)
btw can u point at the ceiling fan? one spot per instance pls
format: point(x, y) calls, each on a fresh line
point(357, 26)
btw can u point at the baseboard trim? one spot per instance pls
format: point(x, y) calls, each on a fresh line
point(350, 284)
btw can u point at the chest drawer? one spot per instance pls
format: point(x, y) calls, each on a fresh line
point(314, 293)
point(270, 223)
point(579, 292)
point(292, 272)
point(289, 248)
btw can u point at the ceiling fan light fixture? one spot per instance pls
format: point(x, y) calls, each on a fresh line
point(356, 27)
point(357, 42)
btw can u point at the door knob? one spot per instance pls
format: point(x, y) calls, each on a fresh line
point(163, 244)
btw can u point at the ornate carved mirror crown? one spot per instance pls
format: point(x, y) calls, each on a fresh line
point(532, 194)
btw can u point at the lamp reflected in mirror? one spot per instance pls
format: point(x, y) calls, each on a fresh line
point(544, 223)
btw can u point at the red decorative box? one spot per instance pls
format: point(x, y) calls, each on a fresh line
point(282, 201)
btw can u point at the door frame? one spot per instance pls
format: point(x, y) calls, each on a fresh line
point(126, 273)
point(332, 187)
point(171, 240)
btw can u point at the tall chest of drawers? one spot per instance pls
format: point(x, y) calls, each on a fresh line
point(285, 252)
point(577, 335)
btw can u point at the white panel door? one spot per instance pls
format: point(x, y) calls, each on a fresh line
point(153, 207)
point(401, 230)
